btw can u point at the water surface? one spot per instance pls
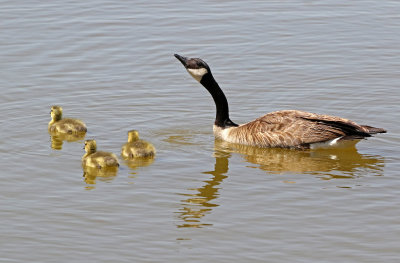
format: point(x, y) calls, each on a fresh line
point(111, 64)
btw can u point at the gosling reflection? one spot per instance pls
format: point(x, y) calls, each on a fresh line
point(57, 139)
point(199, 204)
point(105, 174)
point(329, 163)
point(136, 163)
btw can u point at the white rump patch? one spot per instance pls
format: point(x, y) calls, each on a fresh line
point(328, 144)
point(198, 73)
point(335, 143)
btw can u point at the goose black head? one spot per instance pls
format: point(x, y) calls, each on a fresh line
point(196, 67)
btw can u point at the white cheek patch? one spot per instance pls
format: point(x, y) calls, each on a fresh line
point(198, 73)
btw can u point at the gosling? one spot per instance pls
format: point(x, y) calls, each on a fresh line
point(67, 125)
point(136, 148)
point(98, 159)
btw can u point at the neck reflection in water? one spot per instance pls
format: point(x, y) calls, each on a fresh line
point(324, 164)
point(199, 204)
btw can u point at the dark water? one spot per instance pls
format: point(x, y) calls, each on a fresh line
point(111, 64)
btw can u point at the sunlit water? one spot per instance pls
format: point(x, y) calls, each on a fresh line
point(111, 64)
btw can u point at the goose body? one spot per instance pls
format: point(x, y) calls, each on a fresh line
point(98, 159)
point(285, 129)
point(64, 125)
point(137, 148)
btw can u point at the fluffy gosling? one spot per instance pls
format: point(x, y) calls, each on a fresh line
point(98, 159)
point(67, 125)
point(136, 148)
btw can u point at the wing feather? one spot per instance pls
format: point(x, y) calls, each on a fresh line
point(292, 128)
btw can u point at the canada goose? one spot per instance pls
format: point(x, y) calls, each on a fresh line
point(93, 158)
point(135, 147)
point(286, 129)
point(60, 125)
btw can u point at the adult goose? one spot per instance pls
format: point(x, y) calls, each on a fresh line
point(286, 129)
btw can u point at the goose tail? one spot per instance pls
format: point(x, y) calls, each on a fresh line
point(373, 130)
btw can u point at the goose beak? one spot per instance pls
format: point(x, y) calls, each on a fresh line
point(182, 59)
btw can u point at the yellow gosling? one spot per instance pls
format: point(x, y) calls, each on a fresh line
point(67, 125)
point(136, 148)
point(98, 159)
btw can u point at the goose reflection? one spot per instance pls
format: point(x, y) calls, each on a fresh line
point(327, 163)
point(134, 164)
point(57, 138)
point(90, 174)
point(200, 203)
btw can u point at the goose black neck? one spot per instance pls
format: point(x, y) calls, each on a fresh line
point(221, 103)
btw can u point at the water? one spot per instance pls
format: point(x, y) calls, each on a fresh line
point(111, 64)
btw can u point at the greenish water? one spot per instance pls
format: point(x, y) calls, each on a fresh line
point(111, 64)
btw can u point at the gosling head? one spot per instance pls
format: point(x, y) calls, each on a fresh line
point(90, 146)
point(56, 113)
point(133, 136)
point(196, 67)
